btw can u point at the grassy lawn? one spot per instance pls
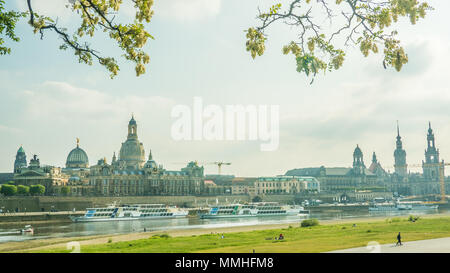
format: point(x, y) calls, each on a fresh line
point(297, 239)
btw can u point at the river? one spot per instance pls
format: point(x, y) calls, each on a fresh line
point(69, 229)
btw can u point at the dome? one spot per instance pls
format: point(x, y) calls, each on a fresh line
point(357, 151)
point(151, 163)
point(132, 152)
point(132, 121)
point(77, 158)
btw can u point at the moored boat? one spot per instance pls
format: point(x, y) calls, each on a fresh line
point(130, 212)
point(28, 229)
point(399, 206)
point(253, 210)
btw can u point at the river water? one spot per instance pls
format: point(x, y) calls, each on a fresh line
point(8, 233)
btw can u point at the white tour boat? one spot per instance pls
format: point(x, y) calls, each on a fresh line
point(130, 212)
point(253, 210)
point(398, 206)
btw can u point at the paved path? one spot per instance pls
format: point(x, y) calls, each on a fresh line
point(441, 245)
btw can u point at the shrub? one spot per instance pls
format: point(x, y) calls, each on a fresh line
point(413, 218)
point(393, 220)
point(109, 240)
point(157, 236)
point(257, 199)
point(309, 223)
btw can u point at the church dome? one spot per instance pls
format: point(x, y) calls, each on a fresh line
point(77, 158)
point(132, 151)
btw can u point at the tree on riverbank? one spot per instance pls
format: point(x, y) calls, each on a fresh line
point(23, 190)
point(8, 190)
point(37, 189)
point(65, 190)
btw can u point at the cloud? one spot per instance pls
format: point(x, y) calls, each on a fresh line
point(8, 129)
point(52, 8)
point(187, 10)
point(64, 101)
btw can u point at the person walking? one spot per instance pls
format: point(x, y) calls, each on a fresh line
point(399, 240)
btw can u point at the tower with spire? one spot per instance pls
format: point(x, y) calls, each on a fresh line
point(376, 168)
point(358, 162)
point(431, 164)
point(400, 166)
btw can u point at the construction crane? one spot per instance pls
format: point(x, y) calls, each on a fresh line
point(219, 165)
point(441, 166)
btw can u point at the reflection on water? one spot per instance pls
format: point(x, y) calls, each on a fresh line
point(53, 230)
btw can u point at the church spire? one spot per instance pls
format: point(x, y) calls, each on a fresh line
point(21, 160)
point(400, 156)
point(114, 158)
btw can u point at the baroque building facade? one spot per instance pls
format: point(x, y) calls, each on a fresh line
point(342, 179)
point(130, 174)
point(50, 177)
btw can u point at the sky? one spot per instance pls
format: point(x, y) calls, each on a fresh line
point(48, 99)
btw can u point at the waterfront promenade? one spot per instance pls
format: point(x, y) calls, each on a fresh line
point(440, 245)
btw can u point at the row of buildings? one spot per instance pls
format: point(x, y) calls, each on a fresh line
point(376, 179)
point(129, 174)
point(132, 173)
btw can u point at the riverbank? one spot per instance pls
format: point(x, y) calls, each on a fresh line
point(330, 235)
